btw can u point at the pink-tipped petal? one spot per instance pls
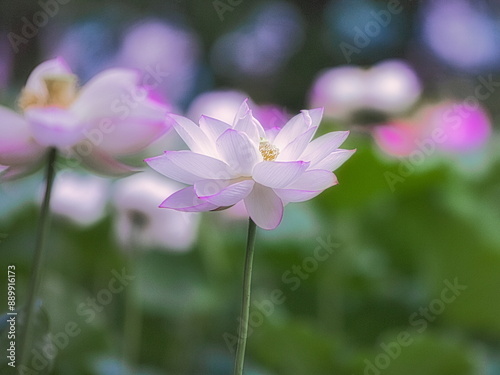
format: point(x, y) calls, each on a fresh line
point(55, 67)
point(316, 115)
point(16, 144)
point(193, 136)
point(189, 167)
point(307, 186)
point(223, 193)
point(246, 123)
point(297, 147)
point(123, 137)
point(120, 117)
point(323, 146)
point(314, 180)
point(102, 163)
point(264, 207)
point(212, 127)
point(150, 109)
point(164, 165)
point(18, 171)
point(112, 93)
point(242, 112)
point(278, 174)
point(334, 160)
point(54, 127)
point(293, 128)
point(295, 196)
point(186, 200)
point(238, 151)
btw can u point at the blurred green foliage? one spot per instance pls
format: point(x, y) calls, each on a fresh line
point(393, 253)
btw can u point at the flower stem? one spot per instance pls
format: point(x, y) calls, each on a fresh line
point(38, 258)
point(133, 313)
point(245, 305)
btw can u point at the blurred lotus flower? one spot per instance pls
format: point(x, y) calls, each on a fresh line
point(465, 129)
point(339, 90)
point(167, 53)
point(461, 33)
point(80, 198)
point(391, 87)
point(108, 117)
point(265, 168)
point(224, 105)
point(446, 127)
point(397, 138)
point(140, 222)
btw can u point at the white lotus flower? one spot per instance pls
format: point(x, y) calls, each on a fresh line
point(265, 168)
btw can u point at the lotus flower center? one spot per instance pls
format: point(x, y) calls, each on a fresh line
point(268, 151)
point(61, 91)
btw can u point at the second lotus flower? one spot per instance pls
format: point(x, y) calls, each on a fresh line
point(108, 117)
point(266, 169)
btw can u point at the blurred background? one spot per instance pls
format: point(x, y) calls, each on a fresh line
point(394, 271)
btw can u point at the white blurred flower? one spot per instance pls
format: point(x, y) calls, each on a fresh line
point(339, 91)
point(390, 86)
point(80, 197)
point(139, 220)
point(222, 105)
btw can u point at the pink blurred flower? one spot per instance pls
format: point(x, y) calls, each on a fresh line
point(447, 127)
point(397, 138)
point(265, 168)
point(465, 129)
point(390, 86)
point(108, 117)
point(140, 222)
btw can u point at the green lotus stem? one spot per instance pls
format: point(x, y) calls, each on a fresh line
point(133, 312)
point(38, 258)
point(245, 305)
